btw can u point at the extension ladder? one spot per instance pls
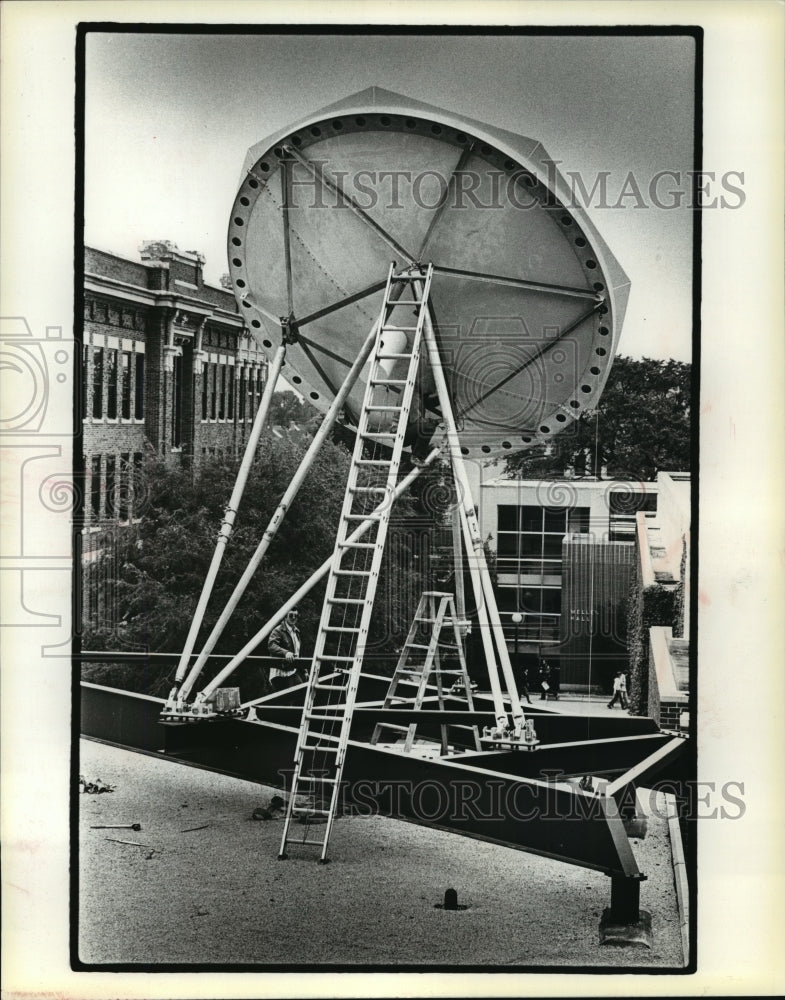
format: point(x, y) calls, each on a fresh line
point(351, 585)
point(419, 661)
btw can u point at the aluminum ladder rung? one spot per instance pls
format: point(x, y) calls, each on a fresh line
point(393, 357)
point(368, 489)
point(356, 545)
point(388, 381)
point(373, 461)
point(312, 778)
point(309, 811)
point(394, 725)
point(351, 572)
point(325, 657)
point(327, 748)
point(315, 717)
point(384, 408)
point(379, 434)
point(341, 628)
point(345, 600)
point(362, 517)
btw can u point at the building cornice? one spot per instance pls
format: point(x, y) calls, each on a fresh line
point(127, 292)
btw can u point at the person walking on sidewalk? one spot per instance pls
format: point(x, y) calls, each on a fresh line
point(619, 690)
point(545, 678)
point(623, 690)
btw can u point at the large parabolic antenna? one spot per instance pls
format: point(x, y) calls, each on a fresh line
point(402, 258)
point(527, 300)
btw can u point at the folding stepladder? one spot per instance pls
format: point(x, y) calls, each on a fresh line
point(421, 661)
point(351, 585)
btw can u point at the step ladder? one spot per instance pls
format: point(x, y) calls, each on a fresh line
point(421, 660)
point(351, 584)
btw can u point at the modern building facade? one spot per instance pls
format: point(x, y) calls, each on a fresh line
point(168, 367)
point(659, 627)
point(565, 559)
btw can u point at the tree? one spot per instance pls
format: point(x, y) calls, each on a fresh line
point(287, 408)
point(640, 427)
point(157, 568)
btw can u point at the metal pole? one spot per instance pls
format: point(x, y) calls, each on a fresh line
point(311, 582)
point(471, 532)
point(460, 596)
point(291, 492)
point(231, 511)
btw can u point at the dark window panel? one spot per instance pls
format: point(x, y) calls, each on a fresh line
point(139, 387)
point(98, 382)
point(177, 401)
point(95, 488)
point(126, 385)
point(111, 383)
point(124, 487)
point(111, 484)
point(507, 517)
point(531, 545)
point(623, 502)
point(507, 545)
point(85, 377)
point(556, 519)
point(531, 518)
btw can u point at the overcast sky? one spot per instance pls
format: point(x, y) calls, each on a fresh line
point(169, 119)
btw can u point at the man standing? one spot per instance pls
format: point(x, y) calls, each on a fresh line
point(284, 643)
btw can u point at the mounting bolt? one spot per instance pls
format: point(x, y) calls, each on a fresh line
point(451, 900)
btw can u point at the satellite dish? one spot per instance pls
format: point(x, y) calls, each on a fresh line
point(526, 299)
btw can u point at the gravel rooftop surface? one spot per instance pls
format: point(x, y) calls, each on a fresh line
point(201, 883)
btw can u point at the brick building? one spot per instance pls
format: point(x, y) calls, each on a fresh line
point(167, 367)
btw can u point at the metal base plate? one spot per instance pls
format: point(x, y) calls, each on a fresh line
point(637, 933)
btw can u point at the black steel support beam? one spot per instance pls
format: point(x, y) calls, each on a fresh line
point(535, 816)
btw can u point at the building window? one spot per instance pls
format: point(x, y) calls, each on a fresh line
point(251, 395)
point(622, 508)
point(124, 488)
point(111, 485)
point(213, 376)
point(95, 488)
point(98, 383)
point(85, 378)
point(230, 411)
point(177, 401)
point(139, 386)
point(241, 391)
point(111, 383)
point(136, 483)
point(222, 392)
point(125, 377)
point(529, 548)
